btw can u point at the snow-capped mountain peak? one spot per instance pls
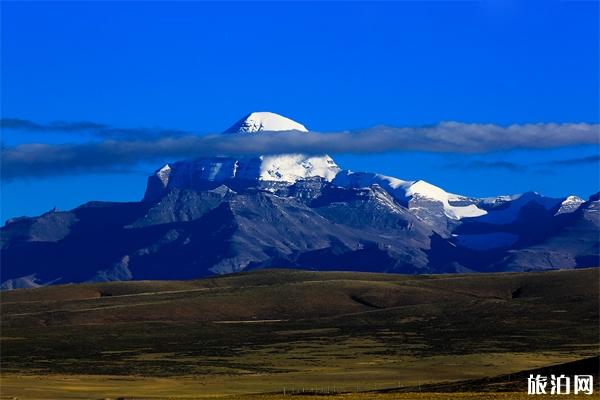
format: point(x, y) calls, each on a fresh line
point(413, 193)
point(426, 190)
point(570, 204)
point(282, 169)
point(265, 121)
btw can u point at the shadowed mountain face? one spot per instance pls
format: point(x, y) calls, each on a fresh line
point(221, 215)
point(311, 224)
point(190, 234)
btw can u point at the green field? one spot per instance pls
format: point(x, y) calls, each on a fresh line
point(270, 331)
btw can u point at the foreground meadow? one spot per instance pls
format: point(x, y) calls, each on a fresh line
point(294, 331)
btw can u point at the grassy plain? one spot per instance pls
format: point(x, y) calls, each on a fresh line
point(265, 331)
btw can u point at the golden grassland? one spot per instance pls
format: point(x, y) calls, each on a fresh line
point(53, 387)
point(358, 373)
point(266, 332)
point(31, 387)
point(414, 396)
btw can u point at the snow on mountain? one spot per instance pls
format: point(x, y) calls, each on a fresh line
point(292, 167)
point(395, 186)
point(200, 173)
point(430, 203)
point(454, 206)
point(505, 209)
point(449, 200)
point(499, 200)
point(223, 214)
point(29, 281)
point(570, 204)
point(280, 168)
point(265, 121)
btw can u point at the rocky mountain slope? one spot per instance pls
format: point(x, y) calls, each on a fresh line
point(226, 214)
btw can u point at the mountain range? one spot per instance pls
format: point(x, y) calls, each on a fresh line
point(220, 215)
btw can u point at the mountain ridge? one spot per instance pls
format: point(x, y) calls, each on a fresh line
point(220, 215)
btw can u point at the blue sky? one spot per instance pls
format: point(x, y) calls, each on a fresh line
point(332, 66)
